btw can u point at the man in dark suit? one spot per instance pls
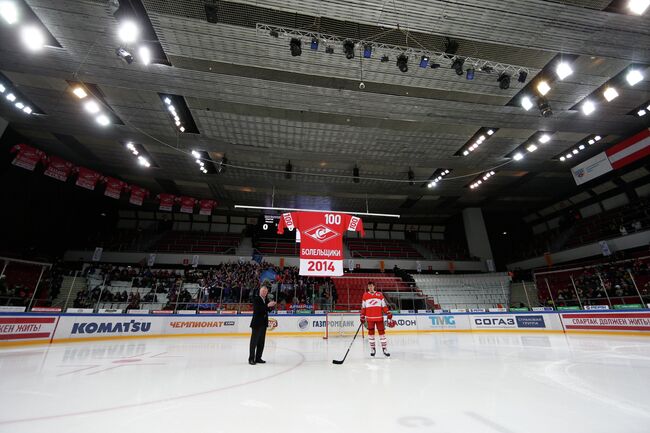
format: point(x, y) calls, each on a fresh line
point(259, 323)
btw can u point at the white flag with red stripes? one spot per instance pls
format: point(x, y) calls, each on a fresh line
point(629, 150)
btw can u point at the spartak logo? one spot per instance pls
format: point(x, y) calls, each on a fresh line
point(321, 233)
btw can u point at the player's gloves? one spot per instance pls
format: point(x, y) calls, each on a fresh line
point(389, 315)
point(363, 319)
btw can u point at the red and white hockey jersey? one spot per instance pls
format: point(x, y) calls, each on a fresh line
point(187, 204)
point(114, 187)
point(27, 157)
point(321, 243)
point(138, 195)
point(58, 168)
point(373, 306)
point(206, 206)
point(87, 178)
point(166, 201)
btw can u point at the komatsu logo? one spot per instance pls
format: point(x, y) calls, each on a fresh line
point(321, 233)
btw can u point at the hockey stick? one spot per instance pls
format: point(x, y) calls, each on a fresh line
point(334, 361)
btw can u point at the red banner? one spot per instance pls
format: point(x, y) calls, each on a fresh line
point(187, 204)
point(206, 206)
point(137, 195)
point(58, 168)
point(87, 178)
point(166, 201)
point(27, 156)
point(114, 187)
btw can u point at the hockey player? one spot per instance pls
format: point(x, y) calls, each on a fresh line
point(373, 307)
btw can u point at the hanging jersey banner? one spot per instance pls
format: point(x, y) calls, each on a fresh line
point(114, 187)
point(87, 178)
point(206, 206)
point(187, 204)
point(58, 168)
point(321, 246)
point(166, 201)
point(27, 156)
point(137, 195)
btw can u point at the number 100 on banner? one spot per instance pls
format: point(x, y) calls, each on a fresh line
point(315, 267)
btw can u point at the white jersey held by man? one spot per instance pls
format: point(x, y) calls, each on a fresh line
point(321, 240)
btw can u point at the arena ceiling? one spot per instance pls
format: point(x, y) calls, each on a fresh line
point(254, 102)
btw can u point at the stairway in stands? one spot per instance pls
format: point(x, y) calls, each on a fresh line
point(350, 289)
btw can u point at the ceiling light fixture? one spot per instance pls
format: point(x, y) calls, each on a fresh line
point(92, 107)
point(544, 138)
point(638, 6)
point(9, 12)
point(634, 76)
point(128, 32)
point(543, 88)
point(610, 94)
point(79, 92)
point(103, 120)
point(588, 107)
point(526, 103)
point(33, 38)
point(518, 156)
point(563, 70)
point(144, 55)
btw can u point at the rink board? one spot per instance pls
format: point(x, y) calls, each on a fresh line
point(35, 328)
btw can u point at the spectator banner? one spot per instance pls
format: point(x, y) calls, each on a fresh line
point(187, 204)
point(97, 255)
point(151, 260)
point(604, 247)
point(110, 311)
point(592, 168)
point(58, 168)
point(87, 178)
point(80, 310)
point(11, 309)
point(27, 328)
point(629, 150)
point(166, 201)
point(137, 195)
point(195, 261)
point(610, 321)
point(206, 206)
point(114, 187)
point(27, 157)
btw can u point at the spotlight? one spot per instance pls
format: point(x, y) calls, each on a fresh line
point(490, 131)
point(634, 76)
point(610, 94)
point(182, 129)
point(384, 58)
point(457, 65)
point(144, 55)
point(196, 154)
point(638, 6)
point(424, 61)
point(569, 155)
point(92, 107)
point(79, 92)
point(597, 138)
point(2, 88)
point(526, 103)
point(411, 177)
point(504, 81)
point(355, 174)
point(287, 170)
point(296, 47)
point(430, 184)
point(402, 63)
point(143, 161)
point(348, 49)
point(581, 147)
point(544, 107)
point(451, 46)
point(11, 97)
point(167, 100)
point(20, 105)
point(274, 33)
point(128, 32)
point(314, 44)
point(103, 120)
point(27, 110)
point(574, 151)
point(469, 74)
point(9, 12)
point(543, 88)
point(588, 107)
point(33, 37)
point(518, 156)
point(221, 168)
point(124, 55)
point(562, 158)
point(531, 148)
point(466, 152)
point(522, 76)
point(367, 51)
point(544, 138)
point(563, 70)
point(329, 50)
point(641, 113)
point(591, 142)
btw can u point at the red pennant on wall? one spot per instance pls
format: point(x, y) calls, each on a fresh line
point(27, 156)
point(206, 206)
point(87, 178)
point(166, 201)
point(114, 187)
point(58, 168)
point(187, 204)
point(137, 195)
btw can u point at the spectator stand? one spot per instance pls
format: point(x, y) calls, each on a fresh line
point(616, 284)
point(21, 281)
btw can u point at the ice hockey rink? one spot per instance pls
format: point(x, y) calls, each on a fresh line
point(451, 382)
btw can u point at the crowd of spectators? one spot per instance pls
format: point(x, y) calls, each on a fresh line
point(595, 284)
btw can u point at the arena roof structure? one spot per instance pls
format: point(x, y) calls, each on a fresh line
point(241, 91)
